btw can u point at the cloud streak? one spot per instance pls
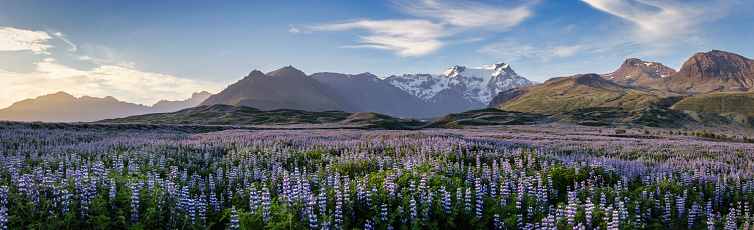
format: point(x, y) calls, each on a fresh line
point(437, 21)
point(511, 51)
point(62, 36)
point(467, 14)
point(12, 39)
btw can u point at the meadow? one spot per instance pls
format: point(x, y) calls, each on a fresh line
point(84, 176)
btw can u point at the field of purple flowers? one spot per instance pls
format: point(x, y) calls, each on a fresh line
point(79, 176)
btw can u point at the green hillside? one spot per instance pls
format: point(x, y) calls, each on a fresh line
point(585, 91)
point(719, 103)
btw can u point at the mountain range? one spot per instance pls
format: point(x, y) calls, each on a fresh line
point(712, 82)
point(63, 107)
point(709, 82)
point(456, 90)
point(714, 71)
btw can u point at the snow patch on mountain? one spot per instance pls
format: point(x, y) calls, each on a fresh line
point(478, 84)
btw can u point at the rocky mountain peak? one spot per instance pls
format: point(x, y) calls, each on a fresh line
point(289, 71)
point(635, 70)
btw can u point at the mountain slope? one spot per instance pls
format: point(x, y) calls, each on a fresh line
point(713, 71)
point(584, 91)
point(460, 88)
point(285, 88)
point(637, 71)
point(510, 94)
point(372, 94)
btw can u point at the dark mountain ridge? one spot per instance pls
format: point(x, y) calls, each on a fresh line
point(285, 88)
point(371, 94)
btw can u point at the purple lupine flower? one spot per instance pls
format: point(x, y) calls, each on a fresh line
point(412, 209)
point(467, 199)
point(113, 190)
point(479, 193)
point(588, 210)
point(383, 212)
point(191, 209)
point(234, 223)
point(253, 200)
point(134, 203)
point(446, 202)
point(368, 225)
point(730, 221)
point(497, 224)
point(322, 201)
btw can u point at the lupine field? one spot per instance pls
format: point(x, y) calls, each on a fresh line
point(79, 176)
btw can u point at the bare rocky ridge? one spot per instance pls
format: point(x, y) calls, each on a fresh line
point(713, 71)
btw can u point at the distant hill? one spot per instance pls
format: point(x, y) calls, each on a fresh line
point(483, 117)
point(713, 71)
point(651, 116)
point(63, 107)
point(371, 94)
point(581, 91)
point(634, 70)
point(165, 106)
point(242, 115)
point(719, 103)
point(285, 88)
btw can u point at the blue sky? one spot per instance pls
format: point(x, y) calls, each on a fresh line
point(143, 51)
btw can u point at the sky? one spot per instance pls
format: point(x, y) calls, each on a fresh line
point(146, 51)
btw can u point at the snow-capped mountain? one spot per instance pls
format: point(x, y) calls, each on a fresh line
point(476, 85)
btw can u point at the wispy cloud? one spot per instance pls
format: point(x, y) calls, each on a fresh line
point(405, 37)
point(435, 22)
point(126, 84)
point(12, 39)
point(659, 23)
point(512, 51)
